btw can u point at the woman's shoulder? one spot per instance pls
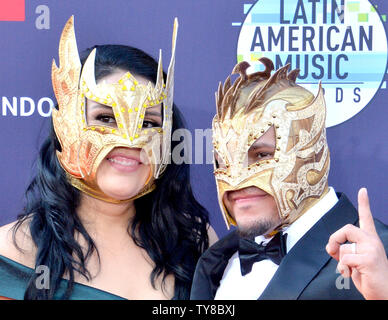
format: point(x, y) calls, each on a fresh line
point(16, 243)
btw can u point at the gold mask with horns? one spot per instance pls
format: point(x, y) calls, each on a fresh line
point(83, 147)
point(296, 176)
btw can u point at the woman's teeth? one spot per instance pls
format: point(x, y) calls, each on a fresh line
point(124, 162)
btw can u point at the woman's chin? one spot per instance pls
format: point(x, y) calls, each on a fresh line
point(121, 188)
point(120, 195)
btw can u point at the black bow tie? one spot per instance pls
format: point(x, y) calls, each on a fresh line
point(250, 252)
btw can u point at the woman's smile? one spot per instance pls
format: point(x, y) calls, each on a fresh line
point(124, 162)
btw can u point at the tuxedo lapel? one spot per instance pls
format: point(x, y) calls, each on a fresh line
point(211, 267)
point(308, 256)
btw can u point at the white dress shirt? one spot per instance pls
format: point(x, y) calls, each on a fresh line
point(234, 286)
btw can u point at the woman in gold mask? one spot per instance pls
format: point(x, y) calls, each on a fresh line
point(108, 215)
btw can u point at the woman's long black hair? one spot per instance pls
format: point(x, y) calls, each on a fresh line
point(170, 225)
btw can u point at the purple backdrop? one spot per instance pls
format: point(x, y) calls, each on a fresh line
point(206, 53)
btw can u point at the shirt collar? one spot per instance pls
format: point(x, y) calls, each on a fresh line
point(304, 223)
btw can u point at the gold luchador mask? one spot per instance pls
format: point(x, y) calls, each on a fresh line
point(85, 146)
point(296, 175)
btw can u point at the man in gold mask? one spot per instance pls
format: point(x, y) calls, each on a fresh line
point(272, 162)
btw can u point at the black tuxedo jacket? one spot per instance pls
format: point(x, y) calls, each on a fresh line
point(306, 272)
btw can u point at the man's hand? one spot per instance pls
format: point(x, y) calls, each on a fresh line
point(364, 259)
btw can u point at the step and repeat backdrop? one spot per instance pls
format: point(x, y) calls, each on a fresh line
point(340, 43)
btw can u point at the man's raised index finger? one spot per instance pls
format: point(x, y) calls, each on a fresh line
point(366, 219)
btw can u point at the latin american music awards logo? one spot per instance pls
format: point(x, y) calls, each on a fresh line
point(341, 43)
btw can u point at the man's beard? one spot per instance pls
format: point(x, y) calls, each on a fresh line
point(257, 228)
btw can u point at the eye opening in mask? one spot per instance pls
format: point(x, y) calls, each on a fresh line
point(153, 117)
point(98, 114)
point(263, 149)
point(219, 162)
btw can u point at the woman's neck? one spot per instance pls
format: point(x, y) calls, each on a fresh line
point(105, 221)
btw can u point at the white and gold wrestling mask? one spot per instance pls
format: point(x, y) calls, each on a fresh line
point(296, 175)
point(83, 147)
